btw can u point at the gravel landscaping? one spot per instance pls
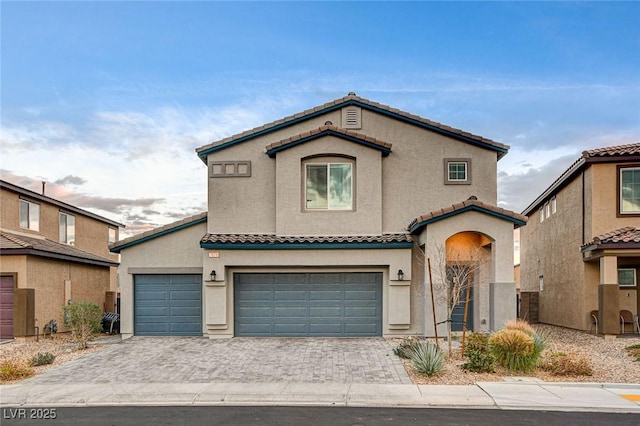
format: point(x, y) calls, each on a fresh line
point(608, 358)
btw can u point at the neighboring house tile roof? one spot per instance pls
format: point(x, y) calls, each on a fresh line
point(328, 130)
point(628, 237)
point(68, 207)
point(18, 244)
point(352, 99)
point(266, 241)
point(472, 204)
point(158, 232)
point(629, 152)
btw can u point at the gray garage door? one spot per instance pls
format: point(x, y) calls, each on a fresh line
point(298, 304)
point(168, 305)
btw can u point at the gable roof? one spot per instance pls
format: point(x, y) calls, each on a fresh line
point(117, 247)
point(270, 241)
point(472, 204)
point(68, 207)
point(610, 154)
point(349, 100)
point(19, 244)
point(628, 237)
point(359, 138)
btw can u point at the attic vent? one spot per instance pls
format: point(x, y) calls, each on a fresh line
point(352, 118)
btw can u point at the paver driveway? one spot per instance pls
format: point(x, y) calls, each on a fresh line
point(241, 360)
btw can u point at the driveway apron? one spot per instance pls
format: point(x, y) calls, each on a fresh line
point(238, 360)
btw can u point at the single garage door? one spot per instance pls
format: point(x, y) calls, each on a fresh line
point(6, 307)
point(312, 304)
point(168, 305)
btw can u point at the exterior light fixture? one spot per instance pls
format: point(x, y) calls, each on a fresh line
point(213, 275)
point(400, 275)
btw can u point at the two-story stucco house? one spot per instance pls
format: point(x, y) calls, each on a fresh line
point(50, 253)
point(321, 224)
point(580, 250)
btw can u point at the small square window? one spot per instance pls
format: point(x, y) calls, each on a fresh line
point(627, 277)
point(457, 171)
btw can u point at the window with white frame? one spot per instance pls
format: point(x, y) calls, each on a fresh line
point(629, 184)
point(554, 205)
point(328, 186)
point(541, 213)
point(541, 282)
point(112, 235)
point(67, 229)
point(547, 209)
point(457, 171)
point(626, 277)
point(29, 215)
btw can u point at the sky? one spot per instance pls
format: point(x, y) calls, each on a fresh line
point(107, 101)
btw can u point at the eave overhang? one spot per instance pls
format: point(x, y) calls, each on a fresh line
point(57, 256)
point(272, 242)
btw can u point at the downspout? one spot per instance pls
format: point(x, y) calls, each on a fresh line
point(583, 209)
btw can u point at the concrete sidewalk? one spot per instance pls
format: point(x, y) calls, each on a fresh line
point(491, 395)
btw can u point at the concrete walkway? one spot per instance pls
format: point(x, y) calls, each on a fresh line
point(324, 372)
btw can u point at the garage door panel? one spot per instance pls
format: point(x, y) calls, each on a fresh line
point(318, 304)
point(168, 305)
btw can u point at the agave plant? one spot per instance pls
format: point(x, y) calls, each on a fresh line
point(427, 358)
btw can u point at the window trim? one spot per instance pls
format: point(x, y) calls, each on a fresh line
point(541, 213)
point(66, 240)
point(115, 235)
point(635, 277)
point(620, 170)
point(328, 161)
point(29, 211)
point(467, 162)
point(554, 205)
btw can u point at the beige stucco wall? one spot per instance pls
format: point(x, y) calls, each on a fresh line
point(412, 176)
point(605, 207)
point(174, 253)
point(496, 271)
point(364, 219)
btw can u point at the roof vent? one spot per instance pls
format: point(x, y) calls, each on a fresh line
point(328, 123)
point(352, 117)
point(473, 197)
point(351, 94)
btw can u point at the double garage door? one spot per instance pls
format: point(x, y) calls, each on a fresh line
point(308, 304)
point(168, 305)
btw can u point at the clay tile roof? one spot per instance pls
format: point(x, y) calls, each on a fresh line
point(620, 237)
point(14, 244)
point(470, 204)
point(156, 232)
point(270, 239)
point(385, 146)
point(353, 98)
point(609, 151)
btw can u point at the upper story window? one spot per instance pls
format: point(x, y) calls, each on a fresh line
point(29, 215)
point(112, 235)
point(541, 212)
point(67, 229)
point(626, 277)
point(554, 205)
point(329, 186)
point(629, 185)
point(457, 171)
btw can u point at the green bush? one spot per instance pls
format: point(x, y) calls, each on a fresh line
point(84, 321)
point(427, 358)
point(562, 364)
point(42, 358)
point(406, 347)
point(514, 349)
point(476, 350)
point(13, 370)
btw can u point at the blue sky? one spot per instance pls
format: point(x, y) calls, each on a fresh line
point(108, 100)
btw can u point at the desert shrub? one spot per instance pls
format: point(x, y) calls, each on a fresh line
point(563, 364)
point(42, 358)
point(514, 349)
point(476, 350)
point(521, 325)
point(13, 370)
point(634, 351)
point(427, 358)
point(405, 348)
point(84, 321)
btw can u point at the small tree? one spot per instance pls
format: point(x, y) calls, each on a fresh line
point(84, 321)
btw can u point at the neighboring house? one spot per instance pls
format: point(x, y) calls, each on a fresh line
point(580, 250)
point(51, 253)
point(322, 224)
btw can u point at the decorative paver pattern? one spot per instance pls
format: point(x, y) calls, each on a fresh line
point(238, 360)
